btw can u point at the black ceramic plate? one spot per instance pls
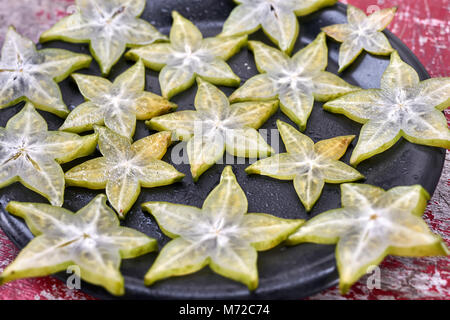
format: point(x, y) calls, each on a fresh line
point(285, 272)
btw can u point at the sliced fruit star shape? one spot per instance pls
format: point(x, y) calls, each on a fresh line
point(217, 126)
point(91, 239)
point(361, 33)
point(221, 234)
point(278, 19)
point(189, 56)
point(125, 167)
point(309, 165)
point(108, 26)
point(32, 155)
point(296, 81)
point(372, 224)
point(32, 75)
point(116, 105)
point(403, 107)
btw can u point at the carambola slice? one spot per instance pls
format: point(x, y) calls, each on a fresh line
point(108, 26)
point(403, 107)
point(116, 105)
point(217, 126)
point(189, 56)
point(32, 75)
point(277, 18)
point(296, 82)
point(309, 165)
point(361, 33)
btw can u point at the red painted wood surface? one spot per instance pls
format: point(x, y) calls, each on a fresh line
point(424, 26)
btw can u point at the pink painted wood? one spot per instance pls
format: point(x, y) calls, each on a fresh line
point(424, 26)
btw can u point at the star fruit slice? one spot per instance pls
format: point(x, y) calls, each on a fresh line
point(403, 107)
point(372, 224)
point(278, 19)
point(189, 56)
point(125, 168)
point(116, 105)
point(32, 75)
point(217, 126)
point(309, 165)
point(31, 155)
point(91, 239)
point(296, 81)
point(221, 234)
point(361, 33)
point(108, 26)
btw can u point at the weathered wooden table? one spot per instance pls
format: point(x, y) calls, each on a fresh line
point(423, 25)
